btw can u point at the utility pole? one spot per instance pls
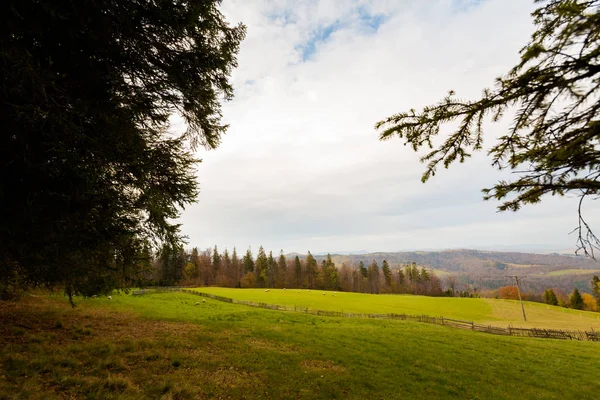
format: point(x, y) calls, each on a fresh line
point(521, 300)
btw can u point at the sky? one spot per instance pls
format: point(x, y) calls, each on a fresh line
point(301, 167)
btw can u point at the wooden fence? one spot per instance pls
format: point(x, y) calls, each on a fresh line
point(591, 336)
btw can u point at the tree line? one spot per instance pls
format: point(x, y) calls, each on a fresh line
point(556, 297)
point(177, 266)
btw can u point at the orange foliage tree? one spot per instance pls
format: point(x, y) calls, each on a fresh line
point(589, 302)
point(509, 293)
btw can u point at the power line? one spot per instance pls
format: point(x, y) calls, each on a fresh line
point(519, 292)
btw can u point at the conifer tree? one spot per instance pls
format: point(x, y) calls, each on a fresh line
point(271, 269)
point(248, 261)
point(235, 266)
point(550, 297)
point(281, 269)
point(298, 270)
point(576, 300)
point(311, 270)
point(363, 270)
point(261, 267)
point(88, 163)
point(216, 262)
point(387, 273)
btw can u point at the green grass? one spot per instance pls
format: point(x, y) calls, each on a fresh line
point(485, 311)
point(573, 272)
point(164, 346)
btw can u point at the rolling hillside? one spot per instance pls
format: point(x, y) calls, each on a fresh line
point(484, 311)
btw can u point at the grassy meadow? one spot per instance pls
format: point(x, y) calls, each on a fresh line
point(163, 346)
point(485, 311)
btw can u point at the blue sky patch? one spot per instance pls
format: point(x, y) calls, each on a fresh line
point(320, 36)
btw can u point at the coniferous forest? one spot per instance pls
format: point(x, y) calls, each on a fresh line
point(266, 270)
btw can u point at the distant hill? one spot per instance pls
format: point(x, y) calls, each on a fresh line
point(490, 269)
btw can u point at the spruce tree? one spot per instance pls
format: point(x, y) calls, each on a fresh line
point(236, 266)
point(216, 262)
point(576, 300)
point(387, 273)
point(298, 271)
point(261, 267)
point(271, 269)
point(363, 270)
point(281, 270)
point(311, 270)
point(550, 297)
point(90, 172)
point(248, 261)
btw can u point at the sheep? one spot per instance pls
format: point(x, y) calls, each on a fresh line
point(323, 293)
point(267, 290)
point(110, 297)
point(197, 303)
point(204, 300)
point(94, 297)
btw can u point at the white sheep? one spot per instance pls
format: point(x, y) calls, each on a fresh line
point(323, 293)
point(204, 300)
point(267, 290)
point(110, 297)
point(197, 303)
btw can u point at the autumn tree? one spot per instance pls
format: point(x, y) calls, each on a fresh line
point(451, 283)
point(224, 274)
point(400, 278)
point(589, 302)
point(373, 274)
point(576, 300)
point(509, 293)
point(90, 172)
point(551, 96)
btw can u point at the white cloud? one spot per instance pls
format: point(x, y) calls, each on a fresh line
point(301, 166)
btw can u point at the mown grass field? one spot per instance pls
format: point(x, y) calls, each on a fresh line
point(164, 346)
point(573, 272)
point(484, 311)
